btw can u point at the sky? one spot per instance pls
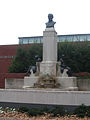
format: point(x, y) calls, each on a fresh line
point(26, 18)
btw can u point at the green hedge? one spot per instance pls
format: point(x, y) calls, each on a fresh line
point(80, 111)
point(56, 111)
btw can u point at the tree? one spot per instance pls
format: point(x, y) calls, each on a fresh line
point(76, 55)
point(19, 62)
point(25, 58)
point(34, 50)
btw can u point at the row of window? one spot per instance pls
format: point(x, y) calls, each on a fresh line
point(74, 38)
point(6, 56)
point(30, 40)
point(61, 38)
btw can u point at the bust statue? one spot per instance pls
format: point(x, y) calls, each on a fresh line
point(50, 22)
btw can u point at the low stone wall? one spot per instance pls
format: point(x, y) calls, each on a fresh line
point(3, 76)
point(14, 83)
point(51, 97)
point(83, 84)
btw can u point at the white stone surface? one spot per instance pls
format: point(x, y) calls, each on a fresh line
point(32, 74)
point(48, 65)
point(68, 83)
point(29, 81)
point(64, 74)
point(50, 45)
point(14, 83)
point(50, 29)
point(53, 97)
point(84, 84)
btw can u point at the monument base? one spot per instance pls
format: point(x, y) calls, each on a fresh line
point(44, 96)
point(62, 83)
point(48, 67)
point(68, 83)
point(47, 81)
point(29, 81)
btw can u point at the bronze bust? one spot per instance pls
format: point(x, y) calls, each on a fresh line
point(50, 22)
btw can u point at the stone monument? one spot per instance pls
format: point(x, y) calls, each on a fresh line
point(48, 65)
point(49, 74)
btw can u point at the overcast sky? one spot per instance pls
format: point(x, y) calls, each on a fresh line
point(24, 18)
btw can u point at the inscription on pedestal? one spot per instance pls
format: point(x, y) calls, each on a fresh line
point(48, 68)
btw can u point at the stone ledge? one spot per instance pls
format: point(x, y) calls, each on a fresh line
point(48, 96)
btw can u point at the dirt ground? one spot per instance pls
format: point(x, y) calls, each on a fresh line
point(20, 116)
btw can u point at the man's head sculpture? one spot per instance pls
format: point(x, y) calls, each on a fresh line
point(50, 17)
point(50, 22)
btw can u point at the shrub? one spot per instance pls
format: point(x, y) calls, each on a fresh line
point(58, 111)
point(23, 109)
point(35, 112)
point(81, 111)
point(88, 111)
point(45, 110)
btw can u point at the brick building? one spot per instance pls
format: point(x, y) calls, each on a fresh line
point(7, 53)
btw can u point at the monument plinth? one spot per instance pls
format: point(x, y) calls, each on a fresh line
point(48, 65)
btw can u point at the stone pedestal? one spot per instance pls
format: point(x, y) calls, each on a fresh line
point(49, 45)
point(48, 65)
point(29, 81)
point(67, 83)
point(62, 83)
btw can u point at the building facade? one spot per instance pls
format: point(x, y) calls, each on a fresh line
point(7, 54)
point(61, 38)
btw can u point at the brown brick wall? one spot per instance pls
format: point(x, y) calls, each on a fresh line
point(8, 50)
point(4, 64)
